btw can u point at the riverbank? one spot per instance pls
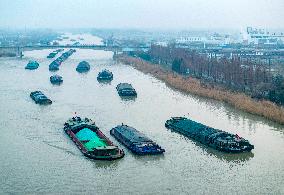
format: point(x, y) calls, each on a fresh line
point(191, 85)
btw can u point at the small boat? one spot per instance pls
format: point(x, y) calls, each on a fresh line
point(90, 140)
point(52, 55)
point(105, 75)
point(32, 65)
point(83, 67)
point(136, 141)
point(214, 138)
point(125, 89)
point(40, 98)
point(59, 50)
point(56, 79)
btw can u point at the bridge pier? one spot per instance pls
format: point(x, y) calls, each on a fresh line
point(11, 52)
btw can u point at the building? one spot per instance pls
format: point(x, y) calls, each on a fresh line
point(262, 36)
point(187, 40)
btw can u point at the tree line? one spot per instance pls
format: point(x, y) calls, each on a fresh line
point(255, 78)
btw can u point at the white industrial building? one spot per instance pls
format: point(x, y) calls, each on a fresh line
point(262, 36)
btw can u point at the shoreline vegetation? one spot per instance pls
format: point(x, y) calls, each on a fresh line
point(264, 108)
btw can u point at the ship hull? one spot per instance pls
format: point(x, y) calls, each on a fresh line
point(206, 140)
point(82, 148)
point(127, 143)
point(90, 140)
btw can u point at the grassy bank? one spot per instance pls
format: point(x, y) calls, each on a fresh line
point(241, 101)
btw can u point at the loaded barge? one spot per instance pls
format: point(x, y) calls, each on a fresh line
point(83, 67)
point(56, 79)
point(136, 141)
point(105, 75)
point(90, 140)
point(32, 65)
point(126, 89)
point(39, 98)
point(214, 138)
point(54, 65)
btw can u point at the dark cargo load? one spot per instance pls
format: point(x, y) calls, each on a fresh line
point(215, 138)
point(136, 141)
point(40, 98)
point(125, 89)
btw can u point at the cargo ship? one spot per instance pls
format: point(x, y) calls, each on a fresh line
point(214, 138)
point(136, 141)
point(90, 140)
point(40, 98)
point(125, 89)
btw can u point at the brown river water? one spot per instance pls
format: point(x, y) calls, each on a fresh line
point(36, 156)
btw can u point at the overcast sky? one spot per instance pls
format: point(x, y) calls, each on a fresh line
point(157, 14)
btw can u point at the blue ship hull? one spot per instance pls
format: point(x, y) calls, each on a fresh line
point(135, 141)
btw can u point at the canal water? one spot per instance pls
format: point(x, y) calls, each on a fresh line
point(38, 158)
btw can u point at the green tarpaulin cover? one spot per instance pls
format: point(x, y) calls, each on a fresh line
point(95, 143)
point(93, 140)
point(86, 134)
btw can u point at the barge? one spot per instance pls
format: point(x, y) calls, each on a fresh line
point(105, 75)
point(83, 67)
point(56, 79)
point(40, 98)
point(32, 65)
point(136, 141)
point(54, 65)
point(54, 53)
point(214, 138)
point(125, 89)
point(90, 140)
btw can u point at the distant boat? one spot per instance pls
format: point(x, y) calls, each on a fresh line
point(32, 65)
point(56, 79)
point(90, 140)
point(105, 75)
point(214, 138)
point(54, 66)
point(83, 67)
point(136, 141)
point(52, 55)
point(125, 89)
point(40, 98)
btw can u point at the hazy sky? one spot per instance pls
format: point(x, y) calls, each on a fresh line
point(165, 14)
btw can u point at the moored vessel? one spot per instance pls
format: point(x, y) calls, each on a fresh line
point(136, 141)
point(90, 140)
point(214, 138)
